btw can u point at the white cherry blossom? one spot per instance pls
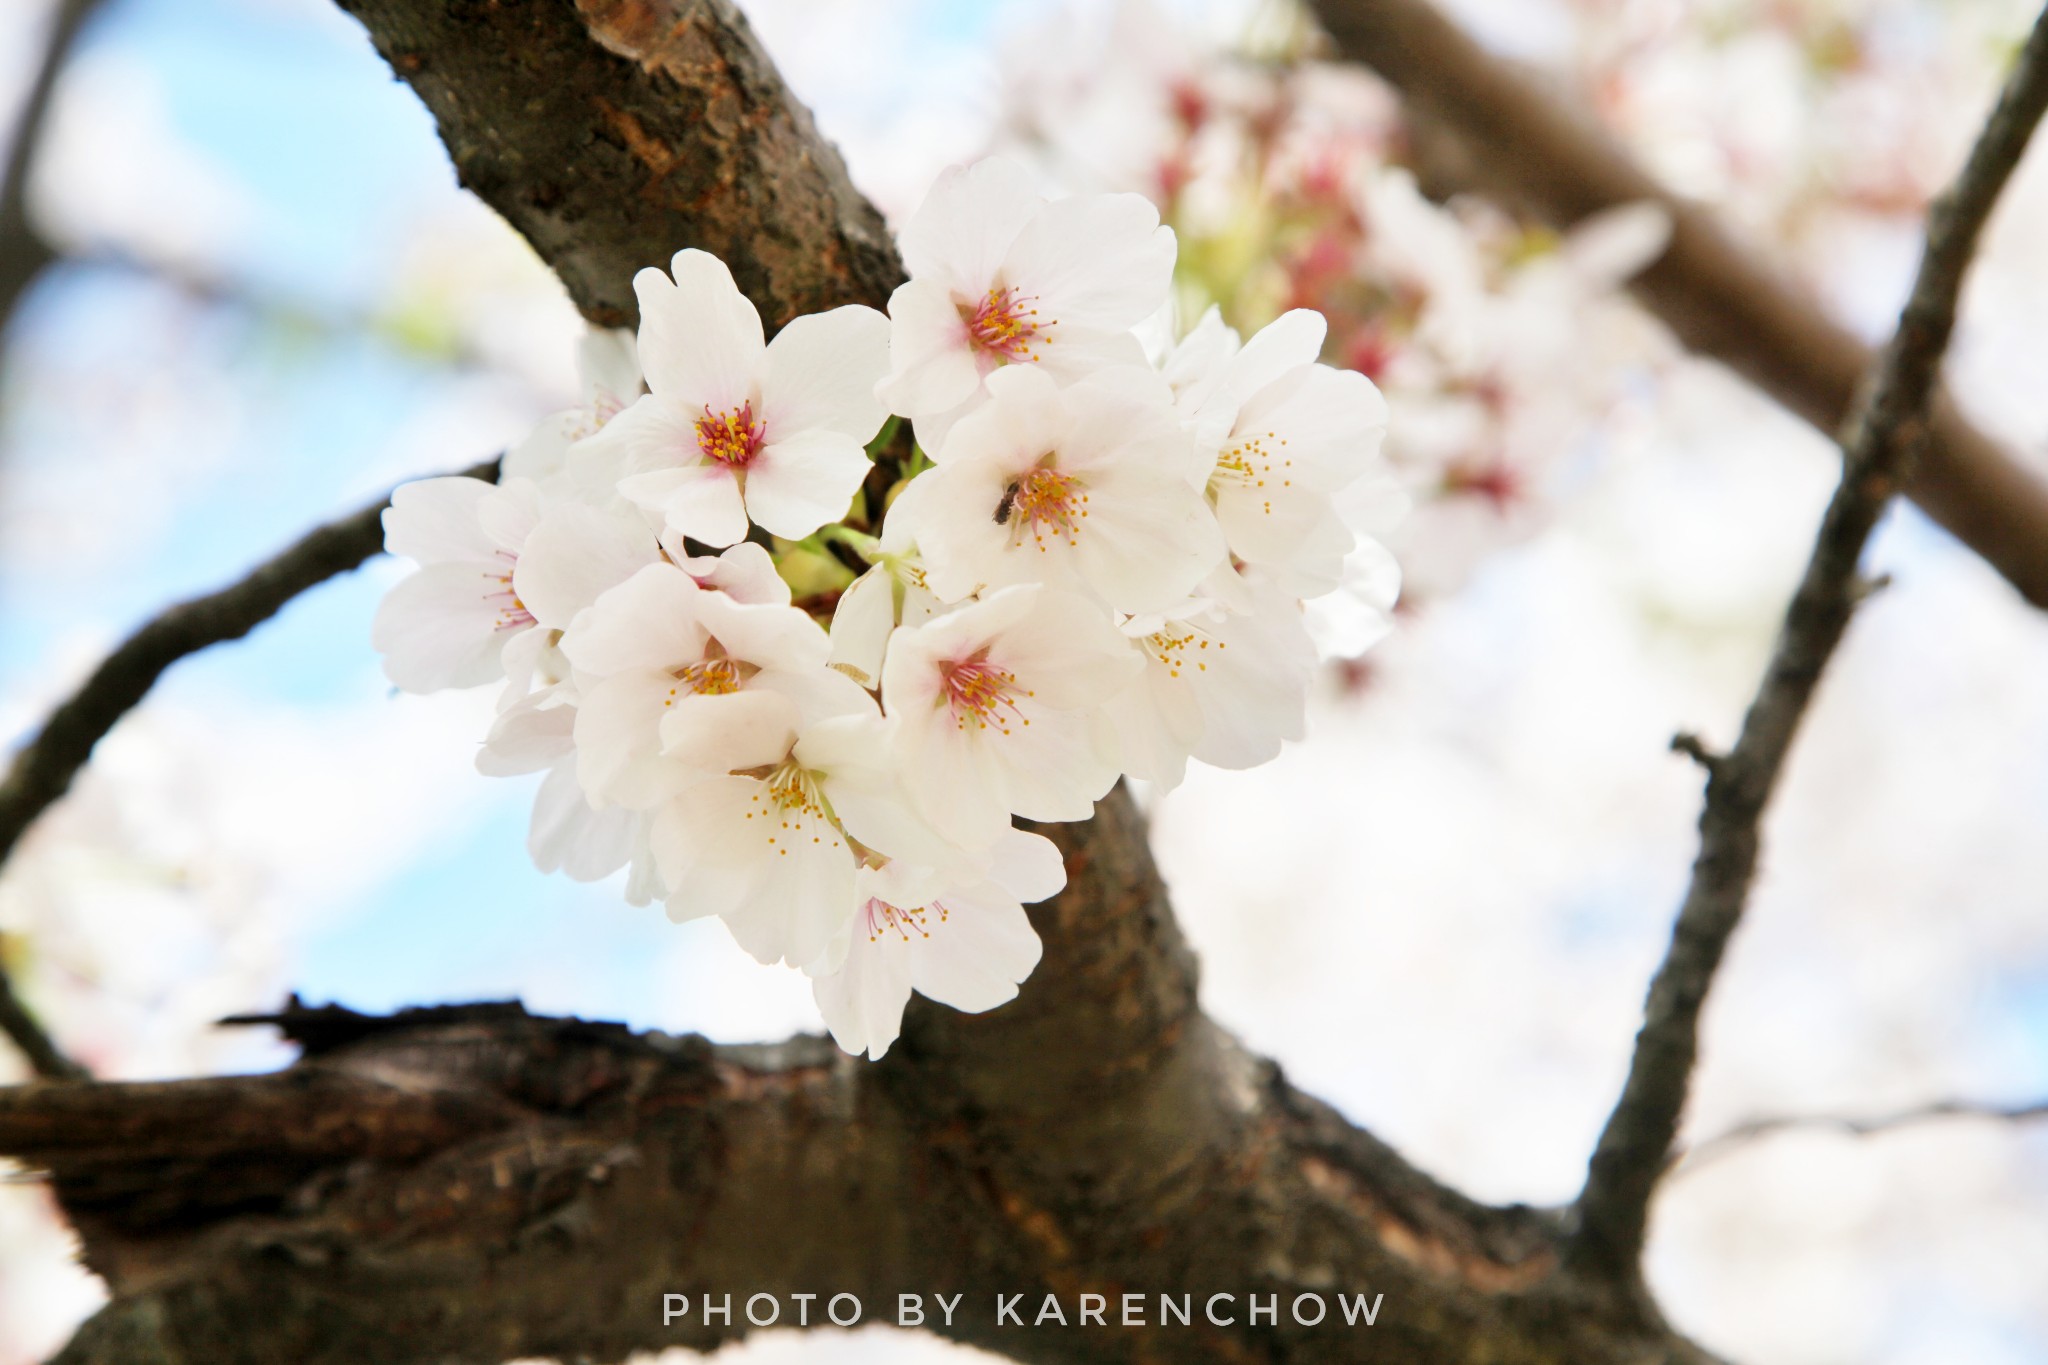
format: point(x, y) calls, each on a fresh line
point(1288, 434)
point(448, 624)
point(733, 430)
point(1093, 487)
point(567, 834)
point(608, 362)
point(1227, 688)
point(571, 557)
point(1359, 612)
point(661, 663)
point(770, 846)
point(957, 935)
point(993, 705)
point(999, 276)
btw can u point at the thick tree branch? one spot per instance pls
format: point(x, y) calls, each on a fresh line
point(1518, 143)
point(1689, 1159)
point(630, 129)
point(474, 1185)
point(43, 769)
point(1890, 429)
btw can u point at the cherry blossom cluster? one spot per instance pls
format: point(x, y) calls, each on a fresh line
point(1288, 181)
point(795, 672)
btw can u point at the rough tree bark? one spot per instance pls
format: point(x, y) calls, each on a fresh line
point(471, 1184)
point(614, 133)
point(475, 1184)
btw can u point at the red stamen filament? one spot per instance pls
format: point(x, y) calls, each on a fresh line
point(1004, 325)
point(1048, 498)
point(513, 615)
point(731, 438)
point(981, 695)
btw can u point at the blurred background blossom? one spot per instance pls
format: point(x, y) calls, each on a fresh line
point(1440, 912)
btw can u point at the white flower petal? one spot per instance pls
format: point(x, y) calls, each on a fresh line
point(652, 434)
point(526, 739)
point(568, 836)
point(961, 232)
point(1028, 866)
point(1095, 262)
point(853, 756)
point(794, 874)
point(978, 954)
point(608, 359)
point(702, 502)
point(576, 554)
point(509, 512)
point(700, 338)
point(1332, 422)
point(768, 636)
point(861, 622)
point(1154, 725)
point(727, 732)
point(819, 694)
point(744, 572)
point(931, 368)
point(863, 1001)
point(439, 627)
point(618, 750)
point(698, 887)
point(1292, 340)
point(794, 486)
point(647, 622)
point(821, 371)
point(435, 521)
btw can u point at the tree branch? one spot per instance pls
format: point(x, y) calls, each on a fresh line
point(630, 129)
point(1686, 1160)
point(473, 1184)
point(1891, 427)
point(29, 1035)
point(23, 251)
point(1521, 145)
point(43, 769)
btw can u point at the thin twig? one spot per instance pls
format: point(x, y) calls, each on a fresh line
point(43, 770)
point(1484, 123)
point(1686, 1160)
point(1695, 748)
point(30, 1037)
point(23, 250)
point(1625, 1166)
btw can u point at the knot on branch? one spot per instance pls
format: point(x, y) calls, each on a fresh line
point(1693, 747)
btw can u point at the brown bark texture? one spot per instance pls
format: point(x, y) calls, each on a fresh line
point(474, 1184)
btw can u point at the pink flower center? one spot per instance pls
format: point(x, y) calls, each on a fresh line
point(512, 613)
point(1046, 501)
point(731, 438)
point(1004, 324)
point(981, 695)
